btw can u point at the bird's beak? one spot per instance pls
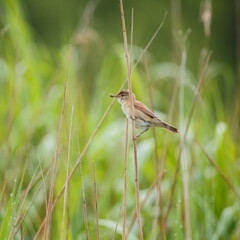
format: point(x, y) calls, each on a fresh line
point(112, 95)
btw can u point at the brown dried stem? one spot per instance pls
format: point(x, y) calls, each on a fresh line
point(96, 202)
point(83, 196)
point(125, 184)
point(150, 189)
point(183, 161)
point(55, 162)
point(22, 217)
point(19, 214)
point(128, 65)
point(200, 83)
point(156, 156)
point(67, 173)
point(115, 230)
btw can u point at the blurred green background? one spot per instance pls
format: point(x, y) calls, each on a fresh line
point(43, 43)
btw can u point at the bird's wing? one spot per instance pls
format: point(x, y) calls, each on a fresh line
point(141, 107)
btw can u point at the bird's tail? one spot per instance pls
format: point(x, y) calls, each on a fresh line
point(169, 127)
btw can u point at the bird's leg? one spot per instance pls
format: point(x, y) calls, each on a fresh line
point(142, 132)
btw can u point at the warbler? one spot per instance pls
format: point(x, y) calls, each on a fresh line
point(144, 118)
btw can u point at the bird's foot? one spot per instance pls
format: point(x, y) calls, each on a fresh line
point(135, 138)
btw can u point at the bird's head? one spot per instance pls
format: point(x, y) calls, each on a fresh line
point(123, 96)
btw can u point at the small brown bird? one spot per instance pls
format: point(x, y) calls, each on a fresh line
point(144, 117)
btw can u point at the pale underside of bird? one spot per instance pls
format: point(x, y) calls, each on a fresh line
point(144, 118)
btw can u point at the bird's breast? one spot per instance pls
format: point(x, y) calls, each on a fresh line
point(126, 108)
point(139, 123)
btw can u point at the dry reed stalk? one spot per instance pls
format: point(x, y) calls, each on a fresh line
point(32, 183)
point(115, 230)
point(164, 151)
point(128, 65)
point(84, 204)
point(163, 157)
point(19, 213)
point(183, 161)
point(199, 86)
point(37, 178)
point(67, 173)
point(150, 189)
point(125, 184)
point(131, 42)
point(156, 156)
point(99, 124)
point(126, 152)
point(76, 165)
point(44, 185)
point(219, 170)
point(83, 195)
point(21, 219)
point(55, 162)
point(96, 202)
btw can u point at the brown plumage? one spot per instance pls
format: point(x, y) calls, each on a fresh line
point(144, 117)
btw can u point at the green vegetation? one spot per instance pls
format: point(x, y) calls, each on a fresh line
point(45, 46)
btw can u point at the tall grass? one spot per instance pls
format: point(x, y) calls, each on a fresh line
point(203, 202)
point(134, 138)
